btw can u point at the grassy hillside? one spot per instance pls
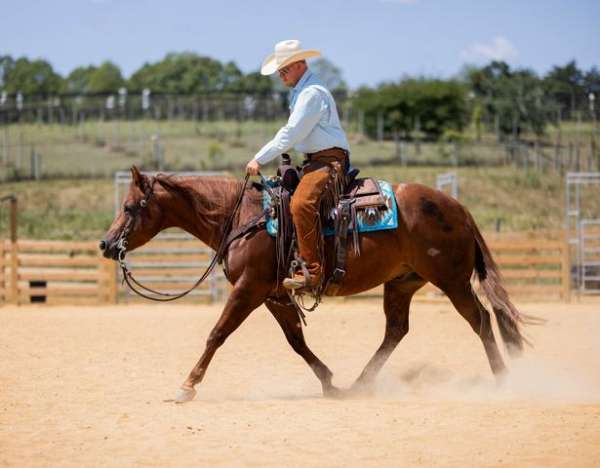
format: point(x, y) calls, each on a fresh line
point(98, 149)
point(77, 202)
point(60, 209)
point(83, 209)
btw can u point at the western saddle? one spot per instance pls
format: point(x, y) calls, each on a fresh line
point(359, 195)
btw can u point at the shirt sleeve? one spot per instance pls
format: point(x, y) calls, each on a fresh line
point(307, 112)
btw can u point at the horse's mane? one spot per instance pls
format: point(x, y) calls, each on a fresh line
point(178, 183)
point(208, 196)
point(217, 186)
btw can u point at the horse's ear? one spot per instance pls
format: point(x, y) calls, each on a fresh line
point(138, 177)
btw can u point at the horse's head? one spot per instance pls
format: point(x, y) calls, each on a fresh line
point(138, 221)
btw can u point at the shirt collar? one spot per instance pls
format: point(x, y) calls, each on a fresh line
point(302, 82)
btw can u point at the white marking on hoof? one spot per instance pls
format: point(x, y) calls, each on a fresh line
point(433, 252)
point(184, 395)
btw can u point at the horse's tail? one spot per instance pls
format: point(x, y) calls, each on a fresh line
point(508, 317)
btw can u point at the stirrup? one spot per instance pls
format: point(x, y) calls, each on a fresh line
point(293, 282)
point(296, 283)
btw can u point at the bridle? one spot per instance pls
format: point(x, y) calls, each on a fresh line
point(132, 214)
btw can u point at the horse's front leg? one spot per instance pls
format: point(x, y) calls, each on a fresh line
point(243, 300)
point(288, 319)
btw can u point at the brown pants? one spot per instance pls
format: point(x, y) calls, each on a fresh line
point(319, 173)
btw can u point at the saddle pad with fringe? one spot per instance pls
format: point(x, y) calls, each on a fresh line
point(369, 220)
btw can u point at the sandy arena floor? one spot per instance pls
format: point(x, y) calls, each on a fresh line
point(87, 387)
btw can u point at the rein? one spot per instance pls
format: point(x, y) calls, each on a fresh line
point(166, 297)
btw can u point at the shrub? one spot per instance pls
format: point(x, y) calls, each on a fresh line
point(431, 105)
point(215, 150)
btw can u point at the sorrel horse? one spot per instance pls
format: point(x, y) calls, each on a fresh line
point(436, 241)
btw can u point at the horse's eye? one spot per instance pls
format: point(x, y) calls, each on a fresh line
point(128, 208)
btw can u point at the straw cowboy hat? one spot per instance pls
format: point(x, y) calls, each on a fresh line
point(286, 52)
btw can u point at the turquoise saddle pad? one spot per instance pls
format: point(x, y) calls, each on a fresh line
point(385, 219)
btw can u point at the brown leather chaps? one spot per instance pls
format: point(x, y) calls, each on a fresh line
point(319, 188)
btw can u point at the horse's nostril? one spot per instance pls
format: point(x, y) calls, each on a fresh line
point(103, 245)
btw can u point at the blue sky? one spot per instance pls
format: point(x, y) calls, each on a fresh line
point(371, 40)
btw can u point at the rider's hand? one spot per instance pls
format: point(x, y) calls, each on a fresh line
point(252, 168)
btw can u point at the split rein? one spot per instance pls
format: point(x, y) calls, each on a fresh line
point(142, 290)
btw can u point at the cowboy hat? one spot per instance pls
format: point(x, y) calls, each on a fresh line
point(286, 52)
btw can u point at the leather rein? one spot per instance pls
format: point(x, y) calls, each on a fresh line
point(227, 238)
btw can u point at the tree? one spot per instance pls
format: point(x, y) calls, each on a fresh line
point(31, 77)
point(106, 78)
point(526, 97)
point(231, 77)
point(591, 82)
point(565, 85)
point(78, 81)
point(329, 74)
point(515, 99)
point(182, 73)
point(256, 83)
point(6, 64)
point(486, 81)
point(437, 105)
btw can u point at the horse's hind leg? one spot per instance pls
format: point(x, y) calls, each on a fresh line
point(470, 307)
point(397, 295)
point(289, 322)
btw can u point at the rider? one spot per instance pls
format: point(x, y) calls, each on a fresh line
point(313, 128)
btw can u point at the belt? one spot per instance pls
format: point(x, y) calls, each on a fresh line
point(334, 151)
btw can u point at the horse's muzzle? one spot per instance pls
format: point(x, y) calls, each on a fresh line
point(109, 249)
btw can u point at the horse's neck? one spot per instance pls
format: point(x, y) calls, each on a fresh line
point(202, 206)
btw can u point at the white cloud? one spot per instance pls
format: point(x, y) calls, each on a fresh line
point(499, 49)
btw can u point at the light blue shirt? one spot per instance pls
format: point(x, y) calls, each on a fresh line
point(314, 124)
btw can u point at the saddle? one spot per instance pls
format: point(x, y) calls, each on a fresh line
point(360, 197)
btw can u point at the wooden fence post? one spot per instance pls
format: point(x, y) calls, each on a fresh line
point(103, 286)
point(380, 127)
point(107, 285)
point(14, 264)
point(566, 270)
point(112, 282)
point(361, 123)
point(5, 154)
point(3, 291)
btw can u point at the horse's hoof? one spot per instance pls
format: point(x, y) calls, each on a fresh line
point(333, 392)
point(501, 377)
point(184, 395)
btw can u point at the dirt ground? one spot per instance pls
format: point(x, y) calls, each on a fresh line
point(87, 387)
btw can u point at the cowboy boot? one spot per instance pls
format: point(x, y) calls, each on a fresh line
point(302, 280)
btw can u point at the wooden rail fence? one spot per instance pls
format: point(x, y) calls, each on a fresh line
point(65, 272)
point(56, 272)
point(173, 265)
point(531, 267)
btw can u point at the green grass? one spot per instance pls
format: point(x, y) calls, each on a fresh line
point(77, 203)
point(83, 209)
point(60, 209)
point(98, 149)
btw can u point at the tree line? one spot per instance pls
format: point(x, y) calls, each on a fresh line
point(493, 97)
point(183, 73)
point(177, 73)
